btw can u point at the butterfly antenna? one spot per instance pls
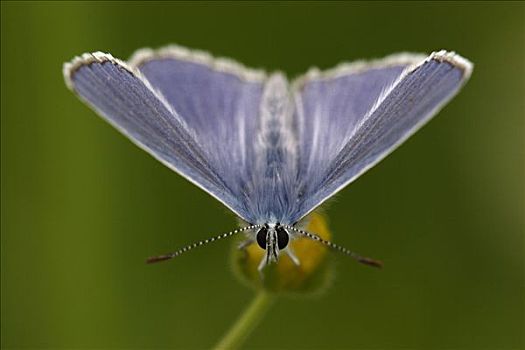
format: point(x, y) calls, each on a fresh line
point(187, 248)
point(357, 257)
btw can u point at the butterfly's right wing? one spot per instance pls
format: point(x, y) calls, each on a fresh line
point(330, 105)
point(351, 118)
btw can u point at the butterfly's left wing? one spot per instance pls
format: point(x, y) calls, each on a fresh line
point(241, 119)
point(217, 98)
point(351, 118)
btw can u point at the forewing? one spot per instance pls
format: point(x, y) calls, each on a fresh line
point(126, 101)
point(392, 114)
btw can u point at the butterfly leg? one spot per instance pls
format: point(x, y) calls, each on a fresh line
point(245, 244)
point(261, 266)
point(292, 256)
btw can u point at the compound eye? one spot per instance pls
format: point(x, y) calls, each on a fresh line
point(282, 237)
point(261, 237)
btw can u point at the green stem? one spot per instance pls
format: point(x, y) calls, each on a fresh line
point(246, 323)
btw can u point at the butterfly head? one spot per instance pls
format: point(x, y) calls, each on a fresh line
point(272, 238)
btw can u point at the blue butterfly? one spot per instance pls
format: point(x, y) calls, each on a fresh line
point(269, 150)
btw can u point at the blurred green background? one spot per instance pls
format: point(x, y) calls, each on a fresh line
point(82, 207)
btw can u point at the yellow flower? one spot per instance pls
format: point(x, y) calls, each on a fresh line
point(312, 274)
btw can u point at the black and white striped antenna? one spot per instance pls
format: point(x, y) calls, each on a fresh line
point(187, 248)
point(357, 257)
point(312, 236)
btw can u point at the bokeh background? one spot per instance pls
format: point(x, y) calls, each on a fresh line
point(82, 206)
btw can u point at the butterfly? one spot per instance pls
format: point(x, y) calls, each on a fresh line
point(270, 150)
